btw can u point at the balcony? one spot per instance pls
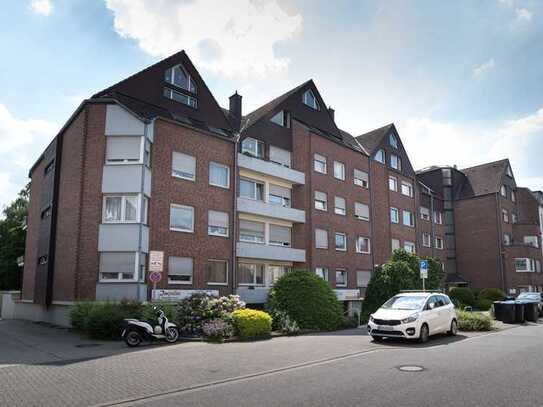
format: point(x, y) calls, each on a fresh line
point(126, 179)
point(269, 210)
point(269, 252)
point(123, 237)
point(272, 169)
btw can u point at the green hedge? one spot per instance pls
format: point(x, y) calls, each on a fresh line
point(491, 294)
point(250, 323)
point(484, 304)
point(462, 296)
point(473, 321)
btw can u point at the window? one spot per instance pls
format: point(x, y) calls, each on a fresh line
point(361, 211)
point(409, 247)
point(524, 265)
point(426, 240)
point(393, 183)
point(503, 191)
point(538, 266)
point(395, 162)
point(321, 239)
point(363, 278)
point(181, 218)
point(424, 213)
point(408, 219)
point(217, 223)
point(319, 163)
point(251, 274)
point(279, 196)
point(438, 218)
point(273, 273)
point(147, 153)
point(395, 244)
point(361, 178)
point(392, 140)
point(177, 76)
point(281, 118)
point(219, 175)
point(514, 218)
point(320, 201)
point(363, 245)
point(217, 272)
point(180, 270)
point(183, 166)
point(394, 215)
point(341, 242)
point(380, 156)
point(280, 235)
point(505, 215)
point(123, 150)
point(439, 243)
point(280, 156)
point(120, 209)
point(250, 231)
point(513, 196)
point(407, 189)
point(507, 239)
point(509, 172)
point(180, 97)
point(50, 167)
point(322, 272)
point(251, 189)
point(310, 100)
point(339, 206)
point(118, 266)
point(531, 241)
point(339, 170)
point(341, 278)
point(252, 147)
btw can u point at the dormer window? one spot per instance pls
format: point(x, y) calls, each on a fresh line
point(177, 76)
point(509, 172)
point(393, 141)
point(380, 156)
point(310, 100)
point(282, 119)
point(180, 97)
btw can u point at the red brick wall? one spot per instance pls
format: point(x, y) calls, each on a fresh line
point(380, 212)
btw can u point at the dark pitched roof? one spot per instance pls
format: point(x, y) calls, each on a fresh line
point(485, 178)
point(371, 140)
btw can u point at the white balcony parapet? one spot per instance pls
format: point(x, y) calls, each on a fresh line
point(269, 210)
point(271, 169)
point(269, 252)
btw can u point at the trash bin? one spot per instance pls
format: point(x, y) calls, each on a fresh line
point(498, 310)
point(531, 311)
point(519, 313)
point(508, 312)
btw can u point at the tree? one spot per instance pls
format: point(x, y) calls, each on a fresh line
point(12, 240)
point(401, 272)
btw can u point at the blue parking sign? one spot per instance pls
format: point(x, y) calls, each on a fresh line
point(424, 264)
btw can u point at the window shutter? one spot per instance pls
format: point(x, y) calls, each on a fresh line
point(280, 156)
point(118, 263)
point(361, 210)
point(180, 266)
point(321, 238)
point(280, 233)
point(183, 163)
point(339, 202)
point(219, 219)
point(363, 278)
point(321, 196)
point(123, 148)
point(251, 226)
point(279, 191)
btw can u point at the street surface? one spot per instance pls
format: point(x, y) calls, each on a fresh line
point(334, 369)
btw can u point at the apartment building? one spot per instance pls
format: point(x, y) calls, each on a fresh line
point(226, 203)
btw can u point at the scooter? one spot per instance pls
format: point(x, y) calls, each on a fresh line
point(137, 331)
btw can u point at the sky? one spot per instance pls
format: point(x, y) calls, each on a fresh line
point(462, 80)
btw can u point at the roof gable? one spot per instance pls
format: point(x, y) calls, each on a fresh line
point(486, 178)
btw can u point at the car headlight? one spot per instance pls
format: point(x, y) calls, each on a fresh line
point(409, 319)
point(371, 318)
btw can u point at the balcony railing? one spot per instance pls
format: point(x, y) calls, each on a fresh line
point(270, 168)
point(270, 210)
point(269, 252)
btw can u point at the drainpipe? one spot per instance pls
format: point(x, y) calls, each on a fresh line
point(372, 254)
point(141, 202)
point(500, 237)
point(432, 225)
point(234, 213)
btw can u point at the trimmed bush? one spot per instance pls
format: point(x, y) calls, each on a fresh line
point(483, 304)
point(462, 296)
point(492, 294)
point(250, 323)
point(473, 321)
point(306, 299)
point(79, 315)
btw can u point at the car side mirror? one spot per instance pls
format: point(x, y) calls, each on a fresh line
point(431, 305)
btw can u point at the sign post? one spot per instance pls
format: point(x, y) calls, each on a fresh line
point(156, 265)
point(423, 272)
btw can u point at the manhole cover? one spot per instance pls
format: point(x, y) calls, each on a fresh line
point(87, 345)
point(410, 368)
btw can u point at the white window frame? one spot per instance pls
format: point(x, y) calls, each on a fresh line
point(173, 205)
point(258, 143)
point(181, 282)
point(438, 218)
point(411, 218)
point(223, 166)
point(318, 158)
point(344, 249)
point(181, 176)
point(171, 79)
point(395, 210)
point(407, 186)
point(191, 101)
point(426, 240)
point(399, 246)
point(305, 100)
point(343, 272)
point(530, 265)
point(217, 283)
point(362, 180)
point(507, 240)
point(392, 183)
point(318, 200)
point(254, 197)
point(209, 226)
point(358, 247)
point(281, 244)
point(338, 210)
point(424, 213)
point(338, 165)
point(272, 147)
point(412, 246)
point(393, 141)
point(324, 270)
point(119, 278)
point(327, 242)
point(254, 283)
point(123, 208)
point(397, 158)
point(360, 217)
point(531, 240)
point(380, 153)
point(264, 241)
point(438, 245)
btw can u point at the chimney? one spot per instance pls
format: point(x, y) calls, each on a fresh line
point(235, 111)
point(332, 111)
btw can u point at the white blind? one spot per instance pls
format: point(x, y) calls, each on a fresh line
point(118, 263)
point(280, 156)
point(279, 191)
point(180, 266)
point(251, 226)
point(321, 196)
point(219, 219)
point(339, 202)
point(361, 175)
point(123, 148)
point(321, 238)
point(361, 210)
point(363, 278)
point(183, 164)
point(280, 233)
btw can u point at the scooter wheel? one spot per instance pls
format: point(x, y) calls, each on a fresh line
point(172, 335)
point(132, 338)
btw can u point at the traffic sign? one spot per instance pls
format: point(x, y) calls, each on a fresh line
point(423, 266)
point(156, 260)
point(155, 276)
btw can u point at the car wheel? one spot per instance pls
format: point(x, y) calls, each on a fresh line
point(424, 333)
point(377, 338)
point(454, 328)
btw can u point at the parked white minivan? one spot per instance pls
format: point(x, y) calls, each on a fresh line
point(414, 315)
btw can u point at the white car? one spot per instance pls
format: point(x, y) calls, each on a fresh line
point(414, 315)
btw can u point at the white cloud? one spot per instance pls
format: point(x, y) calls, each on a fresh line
point(231, 38)
point(21, 143)
point(523, 14)
point(42, 7)
point(484, 67)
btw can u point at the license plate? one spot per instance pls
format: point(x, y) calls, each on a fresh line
point(384, 328)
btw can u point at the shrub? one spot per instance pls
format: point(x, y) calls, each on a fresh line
point(484, 304)
point(148, 312)
point(283, 323)
point(79, 315)
point(306, 299)
point(217, 330)
point(492, 294)
point(462, 296)
point(473, 321)
point(250, 323)
point(104, 321)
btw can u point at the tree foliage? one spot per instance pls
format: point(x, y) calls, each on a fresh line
point(12, 240)
point(401, 272)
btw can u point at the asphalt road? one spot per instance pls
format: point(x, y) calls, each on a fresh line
point(334, 369)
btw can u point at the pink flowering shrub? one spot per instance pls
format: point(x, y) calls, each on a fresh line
point(217, 330)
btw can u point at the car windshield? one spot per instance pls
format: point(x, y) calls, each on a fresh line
point(405, 302)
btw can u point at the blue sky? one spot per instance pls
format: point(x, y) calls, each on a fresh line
point(462, 80)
